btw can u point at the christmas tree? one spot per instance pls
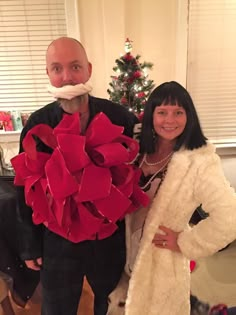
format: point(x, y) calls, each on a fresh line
point(131, 86)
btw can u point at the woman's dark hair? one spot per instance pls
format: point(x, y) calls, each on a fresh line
point(171, 93)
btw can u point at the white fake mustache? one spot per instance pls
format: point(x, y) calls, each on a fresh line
point(69, 92)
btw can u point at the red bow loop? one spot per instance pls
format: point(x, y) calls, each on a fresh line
point(109, 154)
point(101, 131)
point(132, 147)
point(73, 151)
point(70, 124)
point(44, 133)
point(60, 182)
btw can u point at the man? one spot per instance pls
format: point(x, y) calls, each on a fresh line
point(64, 264)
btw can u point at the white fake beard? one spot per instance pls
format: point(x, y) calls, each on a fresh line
point(73, 105)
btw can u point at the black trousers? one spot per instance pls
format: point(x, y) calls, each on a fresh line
point(65, 264)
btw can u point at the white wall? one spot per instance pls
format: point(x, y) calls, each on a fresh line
point(150, 24)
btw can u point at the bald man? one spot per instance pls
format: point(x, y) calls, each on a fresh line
point(62, 263)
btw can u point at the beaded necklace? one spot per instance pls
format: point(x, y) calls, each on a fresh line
point(155, 174)
point(157, 162)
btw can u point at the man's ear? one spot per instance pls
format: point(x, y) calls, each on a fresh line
point(47, 71)
point(90, 68)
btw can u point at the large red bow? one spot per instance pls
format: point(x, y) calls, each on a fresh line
point(87, 184)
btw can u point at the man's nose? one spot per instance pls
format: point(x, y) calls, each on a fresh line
point(67, 77)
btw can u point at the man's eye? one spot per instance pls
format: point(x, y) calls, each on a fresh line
point(160, 112)
point(179, 112)
point(56, 69)
point(76, 67)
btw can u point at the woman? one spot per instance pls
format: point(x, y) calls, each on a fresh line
point(180, 171)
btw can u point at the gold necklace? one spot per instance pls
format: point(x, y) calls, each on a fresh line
point(157, 162)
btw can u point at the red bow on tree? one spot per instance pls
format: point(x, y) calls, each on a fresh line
point(86, 185)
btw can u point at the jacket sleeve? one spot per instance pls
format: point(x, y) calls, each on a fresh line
point(218, 199)
point(29, 236)
point(131, 122)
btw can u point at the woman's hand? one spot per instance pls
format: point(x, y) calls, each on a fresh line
point(168, 240)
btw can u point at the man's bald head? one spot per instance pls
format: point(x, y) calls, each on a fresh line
point(67, 62)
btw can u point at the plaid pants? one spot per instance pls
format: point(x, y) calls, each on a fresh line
point(65, 264)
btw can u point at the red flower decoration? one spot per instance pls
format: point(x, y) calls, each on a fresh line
point(137, 74)
point(87, 184)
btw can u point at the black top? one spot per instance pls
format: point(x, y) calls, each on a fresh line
point(30, 235)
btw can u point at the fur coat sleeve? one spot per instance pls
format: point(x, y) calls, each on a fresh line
point(160, 281)
point(213, 191)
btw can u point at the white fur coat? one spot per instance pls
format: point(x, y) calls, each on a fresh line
point(160, 281)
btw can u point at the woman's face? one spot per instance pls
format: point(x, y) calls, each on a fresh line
point(169, 121)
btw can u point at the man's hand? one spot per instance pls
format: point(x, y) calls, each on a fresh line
point(168, 240)
point(34, 264)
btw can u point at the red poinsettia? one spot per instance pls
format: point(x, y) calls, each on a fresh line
point(87, 183)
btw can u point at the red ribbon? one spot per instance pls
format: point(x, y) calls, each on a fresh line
point(87, 184)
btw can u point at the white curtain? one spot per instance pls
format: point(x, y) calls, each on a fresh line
point(211, 68)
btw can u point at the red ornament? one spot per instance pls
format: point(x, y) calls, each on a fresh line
point(124, 100)
point(130, 80)
point(141, 94)
point(140, 116)
point(137, 74)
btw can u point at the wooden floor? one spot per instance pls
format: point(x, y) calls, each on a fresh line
point(34, 307)
point(213, 281)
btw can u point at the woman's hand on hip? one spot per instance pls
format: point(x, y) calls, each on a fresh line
point(167, 240)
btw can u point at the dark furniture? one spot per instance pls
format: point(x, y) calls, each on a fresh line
point(24, 280)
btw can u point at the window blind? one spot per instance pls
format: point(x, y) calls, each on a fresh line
point(211, 68)
point(27, 28)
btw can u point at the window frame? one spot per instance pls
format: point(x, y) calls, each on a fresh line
point(224, 145)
